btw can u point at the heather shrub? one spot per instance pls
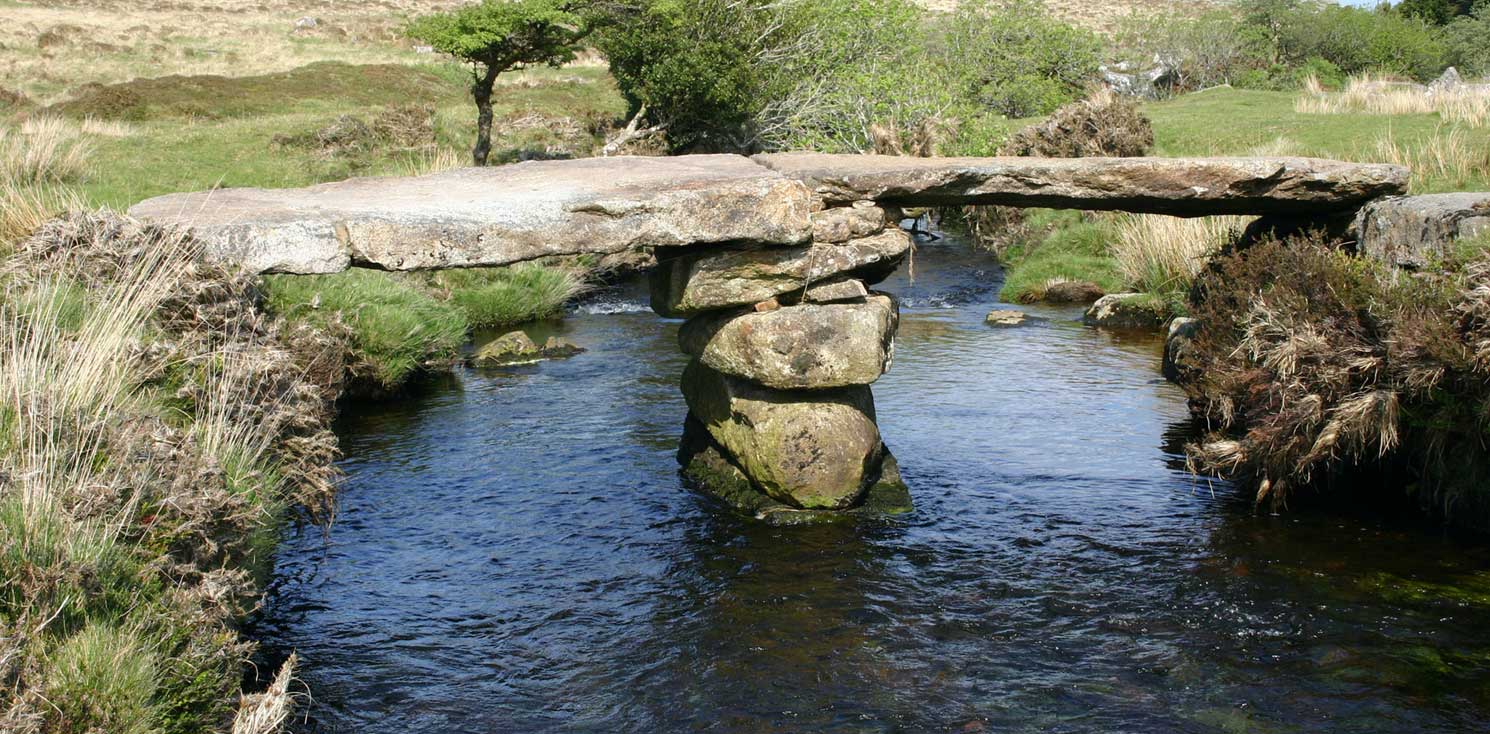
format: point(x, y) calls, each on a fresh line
point(1313, 364)
point(1102, 125)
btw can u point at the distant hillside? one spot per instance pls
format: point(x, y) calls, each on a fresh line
point(1103, 15)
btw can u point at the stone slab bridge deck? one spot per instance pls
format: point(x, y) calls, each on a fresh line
point(770, 259)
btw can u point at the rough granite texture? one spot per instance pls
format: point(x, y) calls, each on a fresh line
point(1412, 231)
point(810, 346)
point(1188, 187)
point(494, 216)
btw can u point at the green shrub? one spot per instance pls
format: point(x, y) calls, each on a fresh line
point(395, 327)
point(1468, 47)
point(1016, 59)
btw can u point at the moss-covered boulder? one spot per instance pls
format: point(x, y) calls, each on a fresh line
point(1128, 311)
point(809, 346)
point(517, 347)
point(817, 449)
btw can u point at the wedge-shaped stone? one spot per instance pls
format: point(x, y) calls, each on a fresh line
point(1412, 231)
point(1178, 186)
point(810, 346)
point(725, 279)
point(844, 223)
point(815, 450)
point(495, 216)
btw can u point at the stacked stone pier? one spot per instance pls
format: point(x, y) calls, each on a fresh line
point(785, 342)
point(772, 262)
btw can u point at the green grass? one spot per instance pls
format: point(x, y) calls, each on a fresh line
point(1246, 122)
point(495, 297)
point(396, 327)
point(1066, 245)
point(400, 323)
point(175, 153)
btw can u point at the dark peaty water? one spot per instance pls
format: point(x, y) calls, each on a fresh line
point(515, 552)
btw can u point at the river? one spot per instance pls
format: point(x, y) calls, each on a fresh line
point(515, 552)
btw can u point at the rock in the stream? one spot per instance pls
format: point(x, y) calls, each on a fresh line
point(1128, 311)
point(708, 470)
point(721, 279)
point(1072, 291)
point(844, 223)
point(1007, 317)
point(1412, 231)
point(1179, 350)
point(810, 449)
point(809, 346)
point(517, 347)
point(494, 216)
point(1176, 186)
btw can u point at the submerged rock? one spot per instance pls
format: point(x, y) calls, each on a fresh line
point(809, 449)
point(1007, 317)
point(808, 346)
point(517, 347)
point(725, 279)
point(1128, 311)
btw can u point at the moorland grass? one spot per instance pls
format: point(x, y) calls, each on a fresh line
point(396, 328)
point(1064, 246)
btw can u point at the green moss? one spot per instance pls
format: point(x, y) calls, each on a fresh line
point(396, 327)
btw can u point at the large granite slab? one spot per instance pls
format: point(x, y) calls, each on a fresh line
point(1185, 187)
point(494, 216)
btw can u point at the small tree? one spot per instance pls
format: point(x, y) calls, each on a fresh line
point(498, 36)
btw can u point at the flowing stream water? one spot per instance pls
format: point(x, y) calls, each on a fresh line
point(515, 552)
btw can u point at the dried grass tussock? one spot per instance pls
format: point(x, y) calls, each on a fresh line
point(1468, 104)
point(1159, 254)
point(155, 430)
point(1450, 155)
point(43, 150)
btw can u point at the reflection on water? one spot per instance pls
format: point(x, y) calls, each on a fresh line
point(515, 552)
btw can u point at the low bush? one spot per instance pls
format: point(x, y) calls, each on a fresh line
point(1312, 364)
point(1102, 125)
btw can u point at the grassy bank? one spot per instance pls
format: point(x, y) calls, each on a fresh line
point(158, 431)
point(398, 324)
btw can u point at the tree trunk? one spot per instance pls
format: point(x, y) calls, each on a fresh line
point(481, 89)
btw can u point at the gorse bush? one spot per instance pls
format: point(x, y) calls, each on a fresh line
point(1312, 363)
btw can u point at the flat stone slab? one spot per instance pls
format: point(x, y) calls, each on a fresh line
point(494, 216)
point(1186, 187)
point(1411, 231)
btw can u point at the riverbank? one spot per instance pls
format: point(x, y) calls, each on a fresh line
point(160, 432)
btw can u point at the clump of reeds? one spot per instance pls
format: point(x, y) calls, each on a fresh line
point(43, 150)
point(1159, 254)
point(1468, 104)
point(1448, 158)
